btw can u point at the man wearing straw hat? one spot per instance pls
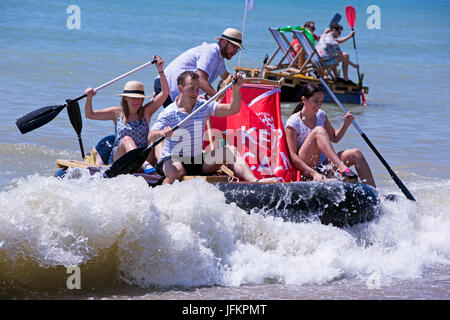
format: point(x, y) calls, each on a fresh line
point(207, 59)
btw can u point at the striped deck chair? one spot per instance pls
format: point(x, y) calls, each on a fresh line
point(285, 46)
point(314, 61)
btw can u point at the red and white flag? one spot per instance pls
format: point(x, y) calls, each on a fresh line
point(257, 132)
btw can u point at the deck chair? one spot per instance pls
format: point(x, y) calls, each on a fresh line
point(314, 61)
point(288, 51)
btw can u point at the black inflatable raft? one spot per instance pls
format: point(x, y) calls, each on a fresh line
point(331, 202)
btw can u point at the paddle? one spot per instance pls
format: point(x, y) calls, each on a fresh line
point(337, 17)
point(350, 13)
point(41, 116)
point(131, 161)
point(391, 172)
point(73, 109)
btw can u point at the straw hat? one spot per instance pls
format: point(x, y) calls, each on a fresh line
point(133, 89)
point(232, 35)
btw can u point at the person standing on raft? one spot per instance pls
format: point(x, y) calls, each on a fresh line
point(207, 59)
point(309, 134)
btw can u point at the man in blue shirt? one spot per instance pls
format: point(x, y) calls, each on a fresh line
point(206, 59)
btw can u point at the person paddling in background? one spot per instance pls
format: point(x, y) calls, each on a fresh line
point(329, 50)
point(182, 153)
point(309, 135)
point(132, 118)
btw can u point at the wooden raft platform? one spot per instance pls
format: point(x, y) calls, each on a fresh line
point(291, 81)
point(65, 164)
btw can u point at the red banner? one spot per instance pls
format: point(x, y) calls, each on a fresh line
point(257, 132)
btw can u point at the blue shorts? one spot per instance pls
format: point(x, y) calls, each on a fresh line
point(330, 62)
point(104, 147)
point(192, 165)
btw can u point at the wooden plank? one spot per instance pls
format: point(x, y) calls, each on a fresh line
point(62, 163)
point(263, 81)
point(210, 179)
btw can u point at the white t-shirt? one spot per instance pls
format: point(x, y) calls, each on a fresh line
point(303, 131)
point(205, 57)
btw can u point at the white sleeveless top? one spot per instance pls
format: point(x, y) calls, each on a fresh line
point(303, 131)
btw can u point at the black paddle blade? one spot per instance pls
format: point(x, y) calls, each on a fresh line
point(337, 17)
point(38, 118)
point(73, 110)
point(129, 163)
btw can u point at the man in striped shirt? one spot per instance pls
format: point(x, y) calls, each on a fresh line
point(182, 153)
point(207, 59)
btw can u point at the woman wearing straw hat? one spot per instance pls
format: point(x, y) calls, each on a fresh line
point(207, 59)
point(131, 119)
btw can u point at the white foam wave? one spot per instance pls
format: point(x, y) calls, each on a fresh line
point(186, 235)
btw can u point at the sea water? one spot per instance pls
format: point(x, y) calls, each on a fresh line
point(184, 241)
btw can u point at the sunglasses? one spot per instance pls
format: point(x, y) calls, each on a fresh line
point(237, 48)
point(312, 28)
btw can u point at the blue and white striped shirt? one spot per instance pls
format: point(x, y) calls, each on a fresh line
point(188, 139)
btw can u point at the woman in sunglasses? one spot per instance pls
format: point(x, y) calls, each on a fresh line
point(311, 26)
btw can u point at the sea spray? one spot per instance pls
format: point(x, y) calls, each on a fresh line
point(121, 232)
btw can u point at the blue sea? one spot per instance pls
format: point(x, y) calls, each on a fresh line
point(134, 242)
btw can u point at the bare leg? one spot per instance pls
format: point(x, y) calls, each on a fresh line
point(356, 158)
point(318, 142)
point(232, 158)
point(98, 158)
point(173, 171)
point(345, 66)
point(152, 158)
point(126, 144)
point(156, 153)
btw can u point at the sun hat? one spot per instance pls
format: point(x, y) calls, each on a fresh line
point(133, 89)
point(232, 35)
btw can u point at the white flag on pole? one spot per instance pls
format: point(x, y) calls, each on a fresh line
point(250, 4)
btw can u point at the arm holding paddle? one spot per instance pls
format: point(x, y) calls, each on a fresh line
point(105, 114)
point(154, 134)
point(343, 39)
point(224, 110)
point(337, 135)
point(41, 116)
point(151, 107)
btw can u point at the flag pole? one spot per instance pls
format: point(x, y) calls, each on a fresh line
point(243, 30)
